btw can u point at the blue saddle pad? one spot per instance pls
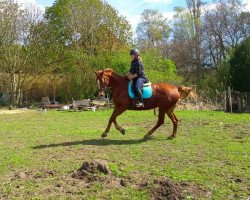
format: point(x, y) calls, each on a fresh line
point(147, 91)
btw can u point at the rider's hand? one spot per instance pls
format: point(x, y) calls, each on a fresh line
point(130, 76)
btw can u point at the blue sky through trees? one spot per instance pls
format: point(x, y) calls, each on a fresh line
point(132, 9)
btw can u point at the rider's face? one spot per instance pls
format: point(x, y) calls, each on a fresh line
point(132, 57)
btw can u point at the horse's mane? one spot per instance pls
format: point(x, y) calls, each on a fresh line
point(109, 72)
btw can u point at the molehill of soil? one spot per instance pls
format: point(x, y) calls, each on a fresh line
point(91, 171)
point(167, 189)
point(98, 171)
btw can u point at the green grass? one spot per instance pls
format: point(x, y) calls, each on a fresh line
point(212, 149)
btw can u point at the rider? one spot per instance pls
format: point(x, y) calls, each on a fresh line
point(137, 75)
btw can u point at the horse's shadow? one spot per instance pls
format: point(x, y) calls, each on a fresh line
point(95, 142)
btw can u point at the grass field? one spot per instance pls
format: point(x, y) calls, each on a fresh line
point(39, 152)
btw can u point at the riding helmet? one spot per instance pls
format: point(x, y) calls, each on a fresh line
point(134, 52)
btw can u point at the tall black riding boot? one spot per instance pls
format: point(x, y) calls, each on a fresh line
point(140, 97)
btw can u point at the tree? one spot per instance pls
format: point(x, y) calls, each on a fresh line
point(90, 32)
point(186, 44)
point(182, 42)
point(194, 7)
point(223, 28)
point(203, 37)
point(16, 56)
point(153, 32)
point(240, 67)
point(153, 29)
point(159, 68)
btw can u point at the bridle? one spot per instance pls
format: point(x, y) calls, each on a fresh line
point(105, 88)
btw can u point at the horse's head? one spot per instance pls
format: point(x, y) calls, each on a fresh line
point(103, 80)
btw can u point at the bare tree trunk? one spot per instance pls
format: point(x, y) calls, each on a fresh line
point(230, 100)
point(54, 88)
point(194, 7)
point(18, 89)
point(13, 89)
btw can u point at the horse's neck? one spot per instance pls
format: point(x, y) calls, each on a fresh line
point(117, 80)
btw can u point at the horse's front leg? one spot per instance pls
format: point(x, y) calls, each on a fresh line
point(117, 111)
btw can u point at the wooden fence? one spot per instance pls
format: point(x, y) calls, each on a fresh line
point(236, 102)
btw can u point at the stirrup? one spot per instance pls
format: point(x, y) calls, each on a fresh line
point(139, 105)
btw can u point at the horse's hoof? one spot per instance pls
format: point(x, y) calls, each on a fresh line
point(147, 137)
point(122, 131)
point(104, 135)
point(171, 137)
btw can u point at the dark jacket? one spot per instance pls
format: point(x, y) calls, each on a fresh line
point(137, 68)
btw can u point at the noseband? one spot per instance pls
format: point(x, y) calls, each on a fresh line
point(102, 89)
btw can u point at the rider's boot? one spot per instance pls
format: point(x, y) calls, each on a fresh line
point(140, 99)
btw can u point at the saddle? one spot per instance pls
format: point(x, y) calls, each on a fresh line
point(147, 91)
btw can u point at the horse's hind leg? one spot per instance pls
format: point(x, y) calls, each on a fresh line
point(174, 120)
point(161, 118)
point(119, 128)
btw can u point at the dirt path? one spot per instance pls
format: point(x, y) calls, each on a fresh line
point(3, 111)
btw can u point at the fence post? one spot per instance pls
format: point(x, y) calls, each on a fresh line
point(230, 100)
point(225, 100)
point(239, 100)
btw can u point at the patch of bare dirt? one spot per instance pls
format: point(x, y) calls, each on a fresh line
point(35, 174)
point(240, 131)
point(167, 189)
point(182, 105)
point(9, 112)
point(234, 126)
point(98, 171)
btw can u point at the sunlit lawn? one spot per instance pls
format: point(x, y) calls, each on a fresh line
point(212, 149)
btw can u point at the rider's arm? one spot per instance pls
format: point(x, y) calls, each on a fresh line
point(132, 76)
point(133, 71)
point(139, 68)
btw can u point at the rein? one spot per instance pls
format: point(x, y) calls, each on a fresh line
point(102, 89)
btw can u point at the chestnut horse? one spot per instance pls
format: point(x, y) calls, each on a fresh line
point(164, 97)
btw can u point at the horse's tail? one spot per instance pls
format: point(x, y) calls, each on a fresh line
point(186, 92)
